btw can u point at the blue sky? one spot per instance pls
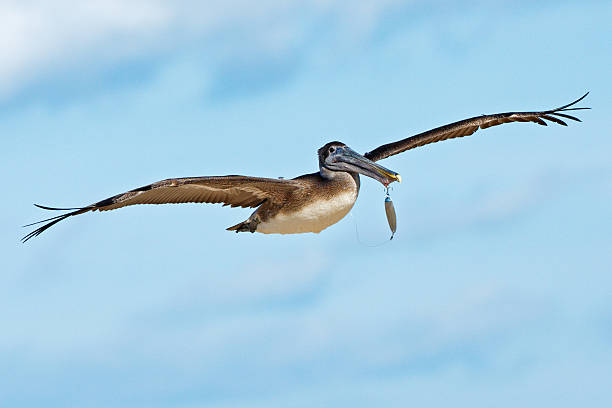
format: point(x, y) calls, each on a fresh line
point(495, 291)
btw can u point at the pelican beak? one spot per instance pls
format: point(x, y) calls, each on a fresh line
point(367, 167)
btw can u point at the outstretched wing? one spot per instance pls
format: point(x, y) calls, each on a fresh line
point(235, 191)
point(469, 126)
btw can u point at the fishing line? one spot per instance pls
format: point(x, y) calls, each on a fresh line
point(390, 212)
point(364, 243)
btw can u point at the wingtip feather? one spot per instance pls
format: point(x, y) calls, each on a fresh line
point(44, 207)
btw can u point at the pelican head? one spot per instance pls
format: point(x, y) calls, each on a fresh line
point(336, 156)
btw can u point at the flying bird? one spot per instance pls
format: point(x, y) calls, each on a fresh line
point(308, 203)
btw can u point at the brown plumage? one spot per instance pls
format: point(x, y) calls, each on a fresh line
point(308, 203)
point(235, 191)
point(467, 127)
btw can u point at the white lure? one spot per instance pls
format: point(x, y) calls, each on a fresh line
point(391, 217)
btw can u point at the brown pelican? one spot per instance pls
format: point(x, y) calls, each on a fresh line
point(308, 203)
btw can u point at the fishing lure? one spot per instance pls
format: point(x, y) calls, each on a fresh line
point(390, 211)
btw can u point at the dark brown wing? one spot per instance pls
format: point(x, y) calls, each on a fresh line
point(235, 191)
point(469, 126)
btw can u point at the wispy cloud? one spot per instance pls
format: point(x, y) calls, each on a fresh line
point(239, 44)
point(42, 39)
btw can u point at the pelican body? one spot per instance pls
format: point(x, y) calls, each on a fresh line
point(314, 205)
point(308, 203)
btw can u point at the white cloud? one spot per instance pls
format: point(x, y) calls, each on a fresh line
point(39, 38)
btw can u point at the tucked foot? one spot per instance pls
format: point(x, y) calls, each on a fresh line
point(249, 225)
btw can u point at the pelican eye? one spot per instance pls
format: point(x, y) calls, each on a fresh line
point(332, 149)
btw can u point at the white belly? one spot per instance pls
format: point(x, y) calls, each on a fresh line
point(312, 218)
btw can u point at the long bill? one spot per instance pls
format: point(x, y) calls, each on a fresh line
point(367, 167)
